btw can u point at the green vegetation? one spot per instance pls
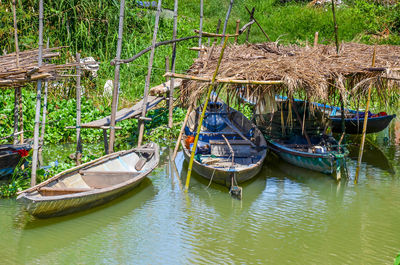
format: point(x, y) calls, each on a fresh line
point(90, 27)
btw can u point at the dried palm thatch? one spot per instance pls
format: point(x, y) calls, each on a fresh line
point(315, 72)
point(28, 70)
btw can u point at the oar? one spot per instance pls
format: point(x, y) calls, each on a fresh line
point(236, 130)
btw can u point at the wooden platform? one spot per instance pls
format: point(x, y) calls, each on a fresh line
point(126, 113)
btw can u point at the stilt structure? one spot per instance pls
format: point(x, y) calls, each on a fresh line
point(38, 100)
point(114, 104)
point(147, 84)
point(171, 89)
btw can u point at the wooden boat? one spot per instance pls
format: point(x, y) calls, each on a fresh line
point(10, 157)
point(90, 184)
point(231, 149)
point(288, 137)
point(324, 155)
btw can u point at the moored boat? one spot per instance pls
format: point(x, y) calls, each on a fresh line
point(231, 148)
point(11, 156)
point(90, 184)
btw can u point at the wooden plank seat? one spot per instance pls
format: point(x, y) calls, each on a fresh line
point(241, 148)
point(54, 191)
point(104, 179)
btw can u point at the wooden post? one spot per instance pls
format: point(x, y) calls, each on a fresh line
point(258, 24)
point(226, 19)
point(105, 141)
point(16, 92)
point(38, 99)
point(181, 132)
point(201, 26)
point(316, 39)
point(114, 104)
point(217, 31)
point(364, 131)
point(21, 118)
point(166, 67)
point(147, 84)
point(172, 83)
point(78, 155)
point(335, 27)
point(41, 141)
point(237, 30)
point(251, 18)
point(200, 122)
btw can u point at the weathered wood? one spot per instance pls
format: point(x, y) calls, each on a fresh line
point(208, 34)
point(78, 155)
point(251, 19)
point(16, 33)
point(38, 99)
point(301, 123)
point(16, 106)
point(50, 191)
point(200, 26)
point(105, 139)
point(225, 80)
point(237, 30)
point(114, 104)
point(174, 82)
point(228, 13)
point(335, 27)
point(258, 24)
point(147, 84)
point(20, 116)
point(44, 113)
point(316, 39)
point(236, 130)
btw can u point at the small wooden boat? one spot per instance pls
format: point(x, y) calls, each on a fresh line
point(323, 155)
point(90, 184)
point(10, 157)
point(300, 140)
point(231, 149)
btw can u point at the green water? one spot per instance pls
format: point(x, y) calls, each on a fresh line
point(287, 216)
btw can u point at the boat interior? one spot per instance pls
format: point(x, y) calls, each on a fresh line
point(99, 175)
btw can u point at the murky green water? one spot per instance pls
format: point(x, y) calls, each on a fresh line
point(287, 216)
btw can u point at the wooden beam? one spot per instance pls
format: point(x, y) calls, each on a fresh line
point(226, 80)
point(251, 19)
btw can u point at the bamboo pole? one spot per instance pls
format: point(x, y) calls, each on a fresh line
point(167, 67)
point(316, 39)
point(20, 116)
point(181, 132)
point(78, 155)
point(16, 90)
point(251, 18)
point(208, 34)
point(41, 141)
point(114, 104)
point(201, 26)
point(147, 84)
point(173, 60)
point(237, 30)
point(225, 80)
point(196, 139)
point(38, 99)
point(258, 24)
point(335, 27)
point(226, 19)
point(364, 131)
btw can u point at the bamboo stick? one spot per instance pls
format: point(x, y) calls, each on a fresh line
point(226, 19)
point(300, 121)
point(147, 84)
point(364, 131)
point(200, 26)
point(225, 80)
point(78, 155)
point(114, 104)
point(237, 30)
point(16, 33)
point(246, 26)
point(20, 116)
point(38, 99)
point(208, 34)
point(196, 139)
point(335, 27)
point(41, 141)
point(258, 24)
point(251, 19)
point(172, 83)
point(16, 94)
point(181, 132)
point(316, 39)
point(16, 105)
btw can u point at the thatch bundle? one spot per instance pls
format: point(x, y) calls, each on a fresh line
point(315, 72)
point(11, 75)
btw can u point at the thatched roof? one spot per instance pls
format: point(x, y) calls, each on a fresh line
point(316, 72)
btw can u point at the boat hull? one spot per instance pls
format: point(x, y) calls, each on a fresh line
point(324, 163)
point(58, 205)
point(223, 177)
point(354, 126)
